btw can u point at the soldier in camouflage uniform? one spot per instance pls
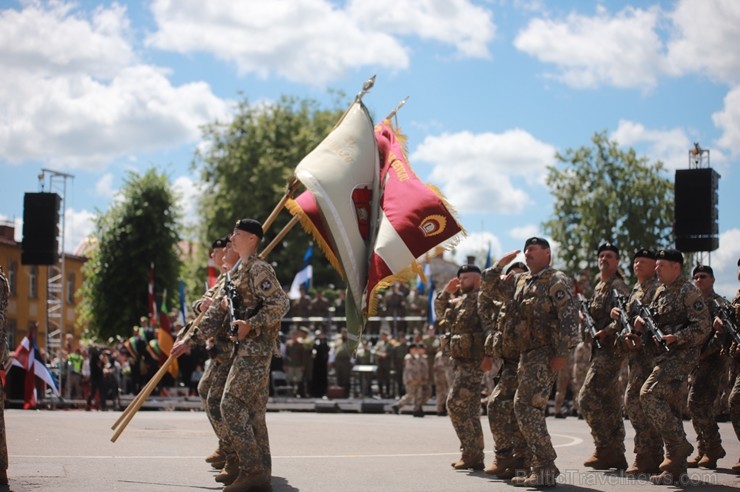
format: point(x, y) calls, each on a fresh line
point(547, 325)
point(466, 349)
point(640, 352)
point(681, 314)
point(734, 352)
point(4, 292)
point(443, 375)
point(415, 378)
point(706, 379)
point(211, 385)
point(498, 315)
point(244, 402)
point(600, 400)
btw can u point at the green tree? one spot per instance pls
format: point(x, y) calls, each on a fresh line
point(245, 165)
point(603, 193)
point(139, 229)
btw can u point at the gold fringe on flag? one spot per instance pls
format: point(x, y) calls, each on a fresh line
point(308, 226)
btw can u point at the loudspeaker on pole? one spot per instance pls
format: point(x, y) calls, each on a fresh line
point(40, 244)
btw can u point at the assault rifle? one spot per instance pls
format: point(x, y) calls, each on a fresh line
point(588, 321)
point(234, 302)
point(650, 325)
point(725, 314)
point(627, 329)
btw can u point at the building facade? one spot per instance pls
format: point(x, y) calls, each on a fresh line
point(27, 303)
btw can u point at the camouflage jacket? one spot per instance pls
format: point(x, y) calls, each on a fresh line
point(714, 341)
point(258, 287)
point(601, 305)
point(4, 293)
point(460, 319)
point(644, 292)
point(415, 369)
point(680, 310)
point(223, 345)
point(497, 311)
point(547, 312)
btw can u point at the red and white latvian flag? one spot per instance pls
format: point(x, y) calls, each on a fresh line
point(27, 357)
point(414, 219)
point(342, 175)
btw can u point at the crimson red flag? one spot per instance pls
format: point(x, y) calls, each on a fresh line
point(414, 219)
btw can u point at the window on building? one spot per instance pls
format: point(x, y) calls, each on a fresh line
point(10, 325)
point(13, 277)
point(33, 282)
point(70, 288)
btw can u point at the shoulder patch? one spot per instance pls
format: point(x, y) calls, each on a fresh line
point(698, 305)
point(559, 295)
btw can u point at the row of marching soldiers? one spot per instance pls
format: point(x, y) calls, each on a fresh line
point(241, 316)
point(666, 327)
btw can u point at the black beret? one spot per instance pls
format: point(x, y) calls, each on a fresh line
point(738, 262)
point(251, 226)
point(516, 264)
point(644, 253)
point(703, 269)
point(536, 240)
point(608, 247)
point(670, 255)
point(468, 268)
point(220, 242)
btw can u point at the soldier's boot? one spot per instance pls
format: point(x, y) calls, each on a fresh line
point(519, 468)
point(500, 464)
point(250, 482)
point(468, 462)
point(672, 475)
point(542, 476)
point(711, 456)
point(606, 459)
point(647, 463)
point(736, 467)
point(216, 456)
point(230, 471)
point(676, 455)
point(694, 462)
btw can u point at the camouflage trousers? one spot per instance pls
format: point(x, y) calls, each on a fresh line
point(661, 395)
point(243, 408)
point(647, 437)
point(702, 395)
point(463, 406)
point(3, 442)
point(600, 400)
point(211, 391)
point(508, 439)
point(530, 401)
point(441, 388)
point(416, 393)
point(735, 401)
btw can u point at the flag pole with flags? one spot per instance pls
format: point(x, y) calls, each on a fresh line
point(27, 357)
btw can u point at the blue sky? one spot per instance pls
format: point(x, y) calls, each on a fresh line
point(496, 87)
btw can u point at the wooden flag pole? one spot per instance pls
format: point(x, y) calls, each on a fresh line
point(293, 221)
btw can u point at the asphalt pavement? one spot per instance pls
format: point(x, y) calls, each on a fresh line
point(71, 450)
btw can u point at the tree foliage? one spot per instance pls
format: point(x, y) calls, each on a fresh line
point(139, 229)
point(244, 167)
point(603, 193)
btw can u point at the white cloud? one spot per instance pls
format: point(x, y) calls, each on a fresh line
point(724, 263)
point(728, 120)
point(78, 224)
point(670, 146)
point(476, 244)
point(475, 170)
point(621, 50)
point(525, 232)
point(104, 186)
point(705, 33)
point(76, 97)
point(315, 41)
point(188, 193)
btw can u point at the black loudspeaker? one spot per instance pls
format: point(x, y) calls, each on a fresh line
point(696, 217)
point(40, 229)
